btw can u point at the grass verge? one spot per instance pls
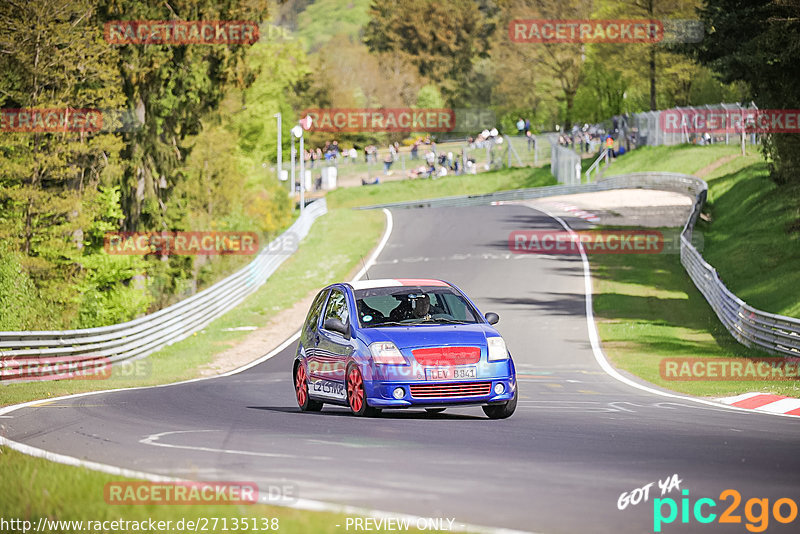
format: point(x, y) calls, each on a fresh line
point(425, 188)
point(34, 488)
point(687, 159)
point(335, 245)
point(648, 309)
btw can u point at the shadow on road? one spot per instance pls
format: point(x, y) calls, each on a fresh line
point(338, 411)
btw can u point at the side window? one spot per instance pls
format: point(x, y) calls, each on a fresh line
point(457, 309)
point(337, 307)
point(315, 311)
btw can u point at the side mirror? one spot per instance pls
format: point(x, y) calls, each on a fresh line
point(335, 325)
point(491, 317)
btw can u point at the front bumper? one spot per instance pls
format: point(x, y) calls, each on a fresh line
point(380, 382)
point(380, 394)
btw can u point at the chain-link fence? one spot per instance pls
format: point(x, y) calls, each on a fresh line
point(701, 125)
point(444, 158)
point(565, 164)
point(678, 125)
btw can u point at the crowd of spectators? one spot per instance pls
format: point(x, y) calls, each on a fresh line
point(589, 139)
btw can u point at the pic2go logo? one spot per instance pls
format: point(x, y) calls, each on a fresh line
point(642, 494)
point(756, 511)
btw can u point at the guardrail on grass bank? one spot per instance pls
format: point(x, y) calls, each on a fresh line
point(776, 334)
point(20, 352)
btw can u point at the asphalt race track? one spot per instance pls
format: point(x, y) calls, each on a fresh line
point(578, 440)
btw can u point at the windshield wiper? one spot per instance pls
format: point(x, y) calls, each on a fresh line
point(440, 320)
point(387, 323)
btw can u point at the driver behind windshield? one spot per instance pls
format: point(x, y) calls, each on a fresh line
point(422, 306)
point(389, 307)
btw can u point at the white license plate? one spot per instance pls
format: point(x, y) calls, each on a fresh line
point(451, 373)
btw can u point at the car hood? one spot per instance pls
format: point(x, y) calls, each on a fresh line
point(419, 336)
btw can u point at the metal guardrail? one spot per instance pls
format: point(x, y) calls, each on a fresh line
point(776, 334)
point(21, 352)
point(615, 182)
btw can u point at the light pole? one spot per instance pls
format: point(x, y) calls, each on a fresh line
point(297, 131)
point(291, 188)
point(280, 148)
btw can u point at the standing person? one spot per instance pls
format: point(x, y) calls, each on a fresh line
point(430, 159)
point(520, 126)
point(610, 146)
point(527, 126)
point(389, 159)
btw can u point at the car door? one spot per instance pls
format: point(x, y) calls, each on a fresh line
point(309, 337)
point(333, 348)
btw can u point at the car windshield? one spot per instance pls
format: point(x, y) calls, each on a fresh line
point(405, 306)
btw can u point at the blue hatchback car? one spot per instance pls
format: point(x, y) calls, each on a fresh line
point(400, 343)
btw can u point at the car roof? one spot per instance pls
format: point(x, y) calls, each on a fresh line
point(397, 282)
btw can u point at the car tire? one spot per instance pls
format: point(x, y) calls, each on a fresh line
point(357, 394)
point(306, 403)
point(501, 411)
point(435, 410)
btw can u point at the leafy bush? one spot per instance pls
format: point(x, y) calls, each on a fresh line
point(20, 305)
point(112, 291)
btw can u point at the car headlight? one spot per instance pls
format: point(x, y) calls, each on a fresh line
point(386, 352)
point(497, 348)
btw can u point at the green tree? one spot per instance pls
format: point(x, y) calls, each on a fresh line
point(603, 93)
point(441, 38)
point(653, 62)
point(53, 56)
point(171, 87)
point(756, 41)
point(21, 307)
point(560, 64)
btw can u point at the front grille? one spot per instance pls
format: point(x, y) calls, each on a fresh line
point(447, 355)
point(460, 389)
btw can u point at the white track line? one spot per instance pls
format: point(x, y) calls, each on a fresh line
point(594, 337)
point(301, 504)
point(371, 261)
point(780, 406)
point(737, 398)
